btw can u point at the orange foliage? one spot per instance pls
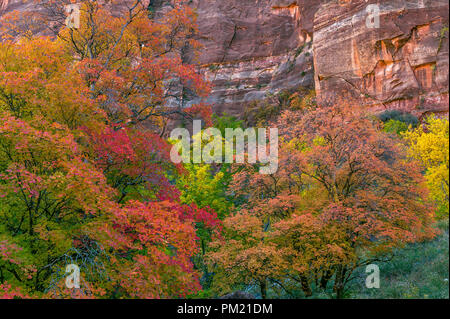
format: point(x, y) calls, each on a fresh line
point(344, 196)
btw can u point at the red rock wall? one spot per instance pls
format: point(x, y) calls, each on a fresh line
point(252, 50)
point(256, 48)
point(403, 64)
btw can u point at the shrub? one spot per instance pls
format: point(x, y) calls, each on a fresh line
point(395, 126)
point(400, 116)
point(430, 147)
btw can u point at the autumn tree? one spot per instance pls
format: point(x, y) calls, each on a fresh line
point(36, 84)
point(52, 197)
point(85, 173)
point(429, 144)
point(132, 60)
point(243, 257)
point(345, 196)
point(49, 196)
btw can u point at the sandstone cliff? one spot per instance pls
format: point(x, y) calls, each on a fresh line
point(256, 48)
point(403, 64)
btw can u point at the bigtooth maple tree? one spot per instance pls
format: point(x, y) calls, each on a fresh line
point(345, 196)
point(133, 61)
point(85, 174)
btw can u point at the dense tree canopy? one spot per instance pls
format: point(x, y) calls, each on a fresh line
point(345, 195)
point(86, 175)
point(430, 146)
point(82, 161)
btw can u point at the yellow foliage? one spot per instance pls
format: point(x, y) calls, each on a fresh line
point(430, 146)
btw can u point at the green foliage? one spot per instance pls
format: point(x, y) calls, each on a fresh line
point(399, 116)
point(395, 127)
point(206, 185)
point(205, 188)
point(226, 121)
point(418, 271)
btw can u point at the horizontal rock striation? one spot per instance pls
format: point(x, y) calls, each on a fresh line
point(402, 63)
point(253, 49)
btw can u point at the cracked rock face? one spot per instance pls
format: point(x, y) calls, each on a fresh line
point(400, 64)
point(253, 49)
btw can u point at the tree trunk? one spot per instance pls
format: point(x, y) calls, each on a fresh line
point(339, 282)
point(263, 287)
point(325, 279)
point(305, 286)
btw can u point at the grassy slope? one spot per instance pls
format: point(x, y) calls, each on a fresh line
point(418, 271)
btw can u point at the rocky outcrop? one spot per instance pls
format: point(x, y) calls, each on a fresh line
point(253, 49)
point(400, 63)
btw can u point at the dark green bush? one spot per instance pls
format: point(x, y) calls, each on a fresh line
point(400, 116)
